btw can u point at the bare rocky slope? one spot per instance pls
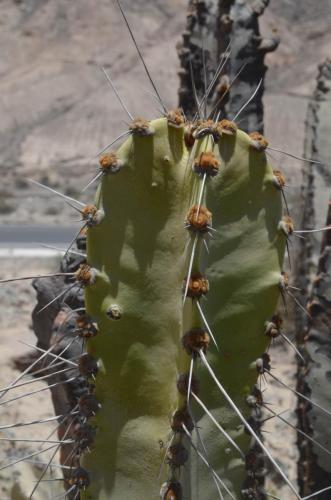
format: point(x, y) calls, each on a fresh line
point(57, 110)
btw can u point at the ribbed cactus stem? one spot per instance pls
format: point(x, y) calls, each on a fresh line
point(191, 214)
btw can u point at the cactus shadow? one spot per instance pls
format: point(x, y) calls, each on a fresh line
point(226, 147)
point(134, 224)
point(176, 143)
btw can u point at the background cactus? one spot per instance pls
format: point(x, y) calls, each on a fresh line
point(314, 381)
point(228, 29)
point(313, 272)
point(316, 182)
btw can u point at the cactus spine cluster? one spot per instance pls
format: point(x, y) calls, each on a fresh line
point(189, 211)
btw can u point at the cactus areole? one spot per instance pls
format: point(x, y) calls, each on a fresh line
point(187, 261)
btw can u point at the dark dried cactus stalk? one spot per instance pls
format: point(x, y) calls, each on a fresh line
point(54, 328)
point(211, 26)
point(314, 274)
point(315, 380)
point(200, 45)
point(317, 177)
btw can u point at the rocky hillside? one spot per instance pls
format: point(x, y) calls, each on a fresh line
point(57, 109)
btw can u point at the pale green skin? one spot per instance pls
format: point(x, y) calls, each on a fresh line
point(139, 252)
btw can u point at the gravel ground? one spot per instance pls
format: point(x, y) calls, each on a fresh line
point(17, 301)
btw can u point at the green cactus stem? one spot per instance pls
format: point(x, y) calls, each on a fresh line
point(180, 223)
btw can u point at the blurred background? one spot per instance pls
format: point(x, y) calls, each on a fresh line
point(58, 110)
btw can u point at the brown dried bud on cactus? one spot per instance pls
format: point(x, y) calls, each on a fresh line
point(259, 142)
point(198, 219)
point(176, 118)
point(286, 225)
point(181, 417)
point(195, 340)
point(198, 286)
point(228, 127)
point(183, 381)
point(206, 163)
point(177, 456)
point(110, 163)
point(85, 275)
point(141, 127)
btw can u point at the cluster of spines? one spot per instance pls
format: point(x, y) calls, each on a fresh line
point(81, 430)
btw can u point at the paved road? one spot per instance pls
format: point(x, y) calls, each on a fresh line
point(26, 240)
point(32, 235)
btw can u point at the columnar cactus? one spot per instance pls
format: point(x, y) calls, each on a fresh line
point(199, 51)
point(317, 178)
point(189, 211)
point(313, 273)
point(226, 31)
point(249, 48)
point(314, 380)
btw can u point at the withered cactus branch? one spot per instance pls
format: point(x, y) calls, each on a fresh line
point(315, 378)
point(216, 29)
point(314, 272)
